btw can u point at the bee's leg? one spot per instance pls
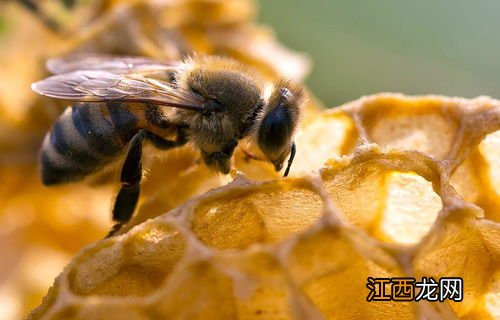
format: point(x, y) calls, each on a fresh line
point(164, 144)
point(131, 175)
point(220, 160)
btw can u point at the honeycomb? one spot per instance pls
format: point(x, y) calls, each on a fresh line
point(42, 228)
point(385, 186)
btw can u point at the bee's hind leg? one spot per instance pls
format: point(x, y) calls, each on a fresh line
point(131, 175)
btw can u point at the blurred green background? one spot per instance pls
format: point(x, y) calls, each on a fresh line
point(446, 47)
point(359, 47)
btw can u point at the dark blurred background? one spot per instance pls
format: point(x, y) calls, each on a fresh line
point(449, 47)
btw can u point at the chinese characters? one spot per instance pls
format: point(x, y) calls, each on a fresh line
point(409, 289)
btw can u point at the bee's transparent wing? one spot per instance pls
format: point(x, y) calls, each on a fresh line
point(108, 63)
point(103, 86)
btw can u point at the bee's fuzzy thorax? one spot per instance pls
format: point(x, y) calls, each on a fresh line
point(211, 63)
point(233, 88)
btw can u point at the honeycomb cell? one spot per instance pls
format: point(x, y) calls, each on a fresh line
point(264, 214)
point(333, 134)
point(200, 290)
point(459, 247)
point(411, 208)
point(411, 124)
point(136, 267)
point(260, 285)
point(331, 270)
point(382, 197)
point(476, 179)
point(490, 150)
point(358, 191)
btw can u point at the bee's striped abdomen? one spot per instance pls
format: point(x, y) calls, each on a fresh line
point(85, 138)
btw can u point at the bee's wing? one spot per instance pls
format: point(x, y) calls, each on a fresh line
point(102, 86)
point(108, 63)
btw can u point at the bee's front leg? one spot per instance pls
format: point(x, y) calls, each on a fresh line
point(220, 160)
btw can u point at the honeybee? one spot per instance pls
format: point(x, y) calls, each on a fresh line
point(211, 102)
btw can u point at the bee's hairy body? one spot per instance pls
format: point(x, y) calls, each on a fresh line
point(211, 102)
point(89, 136)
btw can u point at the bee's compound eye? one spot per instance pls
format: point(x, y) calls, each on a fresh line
point(275, 128)
point(274, 134)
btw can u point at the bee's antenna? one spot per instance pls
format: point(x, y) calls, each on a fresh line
point(290, 160)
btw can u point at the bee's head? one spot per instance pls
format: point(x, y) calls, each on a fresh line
point(228, 92)
point(278, 123)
